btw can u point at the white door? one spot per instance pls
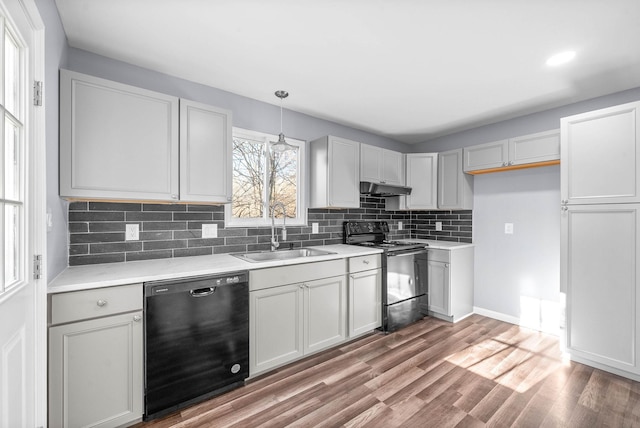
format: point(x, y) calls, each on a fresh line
point(22, 298)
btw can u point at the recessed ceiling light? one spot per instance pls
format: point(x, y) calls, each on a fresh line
point(561, 58)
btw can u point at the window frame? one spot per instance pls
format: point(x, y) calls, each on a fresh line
point(16, 119)
point(265, 221)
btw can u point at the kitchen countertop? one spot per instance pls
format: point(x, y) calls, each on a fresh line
point(110, 274)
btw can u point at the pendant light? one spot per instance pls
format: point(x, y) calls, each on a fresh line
point(281, 145)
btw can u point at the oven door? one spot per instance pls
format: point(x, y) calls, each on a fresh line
point(406, 275)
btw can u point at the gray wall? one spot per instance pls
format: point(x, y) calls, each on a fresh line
point(517, 276)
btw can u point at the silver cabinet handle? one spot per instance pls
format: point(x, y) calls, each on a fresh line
point(510, 162)
point(565, 208)
point(101, 303)
point(137, 318)
point(504, 164)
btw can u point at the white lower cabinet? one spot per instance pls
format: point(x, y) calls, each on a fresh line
point(295, 311)
point(365, 294)
point(450, 275)
point(96, 361)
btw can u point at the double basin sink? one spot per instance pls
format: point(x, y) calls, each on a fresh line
point(267, 256)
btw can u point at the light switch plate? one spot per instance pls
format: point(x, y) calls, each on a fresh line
point(508, 228)
point(438, 225)
point(314, 228)
point(399, 225)
point(132, 232)
point(209, 230)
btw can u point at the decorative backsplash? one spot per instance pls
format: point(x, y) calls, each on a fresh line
point(97, 229)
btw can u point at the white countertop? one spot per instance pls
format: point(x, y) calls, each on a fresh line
point(110, 274)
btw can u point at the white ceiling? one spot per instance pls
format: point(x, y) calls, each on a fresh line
point(410, 70)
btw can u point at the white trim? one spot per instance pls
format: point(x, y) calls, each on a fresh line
point(37, 182)
point(496, 315)
point(508, 318)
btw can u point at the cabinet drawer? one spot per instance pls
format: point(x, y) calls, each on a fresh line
point(274, 277)
point(99, 302)
point(439, 255)
point(362, 263)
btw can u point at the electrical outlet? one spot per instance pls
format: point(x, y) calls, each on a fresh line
point(438, 225)
point(315, 228)
point(508, 228)
point(209, 231)
point(132, 232)
point(399, 225)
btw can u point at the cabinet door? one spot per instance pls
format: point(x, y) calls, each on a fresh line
point(325, 313)
point(438, 273)
point(535, 148)
point(344, 173)
point(205, 153)
point(486, 156)
point(275, 329)
point(96, 372)
point(422, 177)
point(392, 168)
point(365, 297)
point(455, 188)
point(116, 141)
point(600, 273)
point(601, 156)
point(370, 163)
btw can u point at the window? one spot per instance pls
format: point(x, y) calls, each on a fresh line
point(262, 177)
point(12, 212)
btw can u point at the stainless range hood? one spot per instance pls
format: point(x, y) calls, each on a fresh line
point(380, 189)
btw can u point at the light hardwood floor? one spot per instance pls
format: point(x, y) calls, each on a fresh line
point(476, 373)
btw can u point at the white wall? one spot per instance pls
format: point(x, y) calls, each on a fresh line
point(517, 277)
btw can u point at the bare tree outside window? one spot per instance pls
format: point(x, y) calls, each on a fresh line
point(259, 175)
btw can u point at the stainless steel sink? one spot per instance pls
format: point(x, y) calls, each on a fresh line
point(266, 256)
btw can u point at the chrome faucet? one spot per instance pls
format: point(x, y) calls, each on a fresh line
point(274, 236)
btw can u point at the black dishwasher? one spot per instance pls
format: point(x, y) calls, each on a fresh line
point(196, 340)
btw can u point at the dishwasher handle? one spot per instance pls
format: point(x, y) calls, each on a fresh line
point(202, 292)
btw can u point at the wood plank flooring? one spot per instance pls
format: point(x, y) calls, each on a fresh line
point(479, 372)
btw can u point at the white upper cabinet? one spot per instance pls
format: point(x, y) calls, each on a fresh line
point(422, 177)
point(486, 156)
point(380, 165)
point(542, 148)
point(601, 156)
point(334, 173)
point(120, 142)
point(116, 141)
point(205, 153)
point(455, 188)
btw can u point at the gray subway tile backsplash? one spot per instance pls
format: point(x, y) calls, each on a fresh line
point(97, 229)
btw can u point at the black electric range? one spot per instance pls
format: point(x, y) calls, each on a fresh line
point(404, 294)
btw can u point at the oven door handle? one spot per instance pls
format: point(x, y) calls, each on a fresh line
point(409, 253)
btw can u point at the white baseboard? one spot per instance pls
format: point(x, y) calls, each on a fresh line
point(508, 318)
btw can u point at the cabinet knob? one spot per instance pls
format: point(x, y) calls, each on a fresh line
point(101, 303)
point(510, 162)
point(504, 164)
point(366, 262)
point(565, 208)
point(174, 197)
point(137, 318)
